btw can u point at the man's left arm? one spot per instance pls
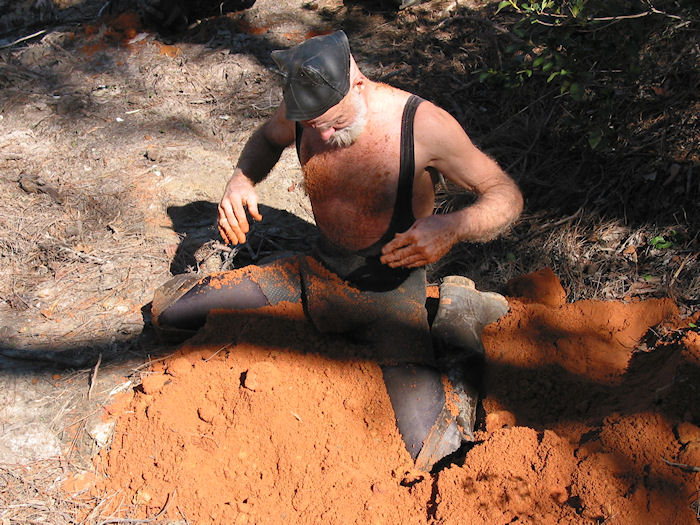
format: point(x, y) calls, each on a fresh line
point(441, 143)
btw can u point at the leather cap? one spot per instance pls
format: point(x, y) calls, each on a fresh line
point(316, 75)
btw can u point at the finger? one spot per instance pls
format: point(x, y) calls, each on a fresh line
point(416, 262)
point(239, 217)
point(228, 221)
point(400, 240)
point(225, 236)
point(253, 207)
point(398, 255)
point(231, 236)
point(412, 261)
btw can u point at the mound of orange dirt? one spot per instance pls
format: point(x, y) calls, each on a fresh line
point(262, 420)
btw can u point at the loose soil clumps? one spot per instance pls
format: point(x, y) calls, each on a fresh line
point(259, 419)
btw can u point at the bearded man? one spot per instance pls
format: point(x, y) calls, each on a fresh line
point(371, 155)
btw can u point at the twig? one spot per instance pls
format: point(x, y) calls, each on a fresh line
point(680, 268)
point(28, 37)
point(652, 11)
point(93, 379)
point(151, 361)
point(214, 354)
point(146, 520)
point(682, 466)
point(187, 522)
point(103, 8)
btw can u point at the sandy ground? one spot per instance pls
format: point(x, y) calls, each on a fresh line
point(115, 147)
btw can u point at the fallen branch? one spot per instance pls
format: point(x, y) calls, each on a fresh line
point(93, 379)
point(682, 466)
point(146, 520)
point(19, 40)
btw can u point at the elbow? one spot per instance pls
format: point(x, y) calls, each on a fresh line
point(517, 203)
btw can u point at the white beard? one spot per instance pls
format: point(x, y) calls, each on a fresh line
point(343, 138)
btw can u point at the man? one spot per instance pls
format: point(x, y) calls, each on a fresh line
point(370, 155)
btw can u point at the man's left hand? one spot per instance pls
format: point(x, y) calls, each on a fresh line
point(423, 243)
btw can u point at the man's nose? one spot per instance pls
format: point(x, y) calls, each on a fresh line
point(326, 133)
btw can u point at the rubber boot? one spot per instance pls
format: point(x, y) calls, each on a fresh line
point(425, 416)
point(164, 298)
point(462, 314)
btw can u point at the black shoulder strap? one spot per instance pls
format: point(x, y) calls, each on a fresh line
point(403, 210)
point(298, 128)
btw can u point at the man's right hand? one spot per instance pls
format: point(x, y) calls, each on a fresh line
point(239, 194)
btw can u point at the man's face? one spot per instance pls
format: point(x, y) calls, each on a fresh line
point(343, 123)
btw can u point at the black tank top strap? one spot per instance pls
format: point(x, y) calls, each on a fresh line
point(297, 138)
point(403, 217)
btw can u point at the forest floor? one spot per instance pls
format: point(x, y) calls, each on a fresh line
point(115, 145)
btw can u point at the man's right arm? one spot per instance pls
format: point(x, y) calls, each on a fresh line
point(259, 156)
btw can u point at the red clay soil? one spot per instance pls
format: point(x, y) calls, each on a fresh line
point(585, 420)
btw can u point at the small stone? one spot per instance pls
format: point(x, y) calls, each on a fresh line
point(101, 432)
point(499, 419)
point(559, 494)
point(207, 413)
point(690, 455)
point(687, 433)
point(179, 366)
point(142, 497)
point(378, 488)
point(153, 383)
point(262, 376)
point(153, 153)
point(78, 483)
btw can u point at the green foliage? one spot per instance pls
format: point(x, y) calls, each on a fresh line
point(589, 51)
point(661, 242)
point(540, 54)
point(562, 39)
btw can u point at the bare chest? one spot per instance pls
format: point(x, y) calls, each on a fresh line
point(366, 173)
point(352, 190)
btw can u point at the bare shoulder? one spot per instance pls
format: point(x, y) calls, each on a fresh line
point(432, 122)
point(387, 100)
point(438, 135)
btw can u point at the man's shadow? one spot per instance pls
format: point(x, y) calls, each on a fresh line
point(278, 232)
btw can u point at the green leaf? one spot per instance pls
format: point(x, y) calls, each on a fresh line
point(504, 3)
point(537, 62)
point(576, 91)
point(547, 67)
point(594, 138)
point(552, 76)
point(660, 243)
point(692, 325)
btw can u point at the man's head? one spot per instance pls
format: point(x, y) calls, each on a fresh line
point(317, 75)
